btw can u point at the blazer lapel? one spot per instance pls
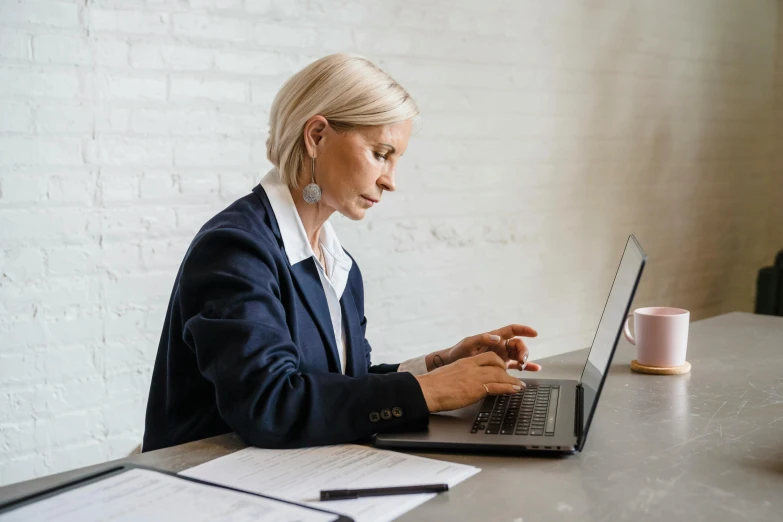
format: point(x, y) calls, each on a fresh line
point(308, 283)
point(354, 339)
point(312, 293)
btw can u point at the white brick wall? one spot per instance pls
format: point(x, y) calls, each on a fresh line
point(550, 130)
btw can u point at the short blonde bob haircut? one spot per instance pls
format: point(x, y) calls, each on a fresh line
point(346, 89)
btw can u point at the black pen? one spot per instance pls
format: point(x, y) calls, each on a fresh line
point(343, 494)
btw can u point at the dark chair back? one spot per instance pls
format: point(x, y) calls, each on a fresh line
point(769, 288)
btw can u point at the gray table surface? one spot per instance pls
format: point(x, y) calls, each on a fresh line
point(707, 445)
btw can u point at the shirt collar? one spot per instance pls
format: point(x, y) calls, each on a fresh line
point(297, 246)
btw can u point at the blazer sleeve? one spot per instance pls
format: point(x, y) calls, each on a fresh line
point(236, 326)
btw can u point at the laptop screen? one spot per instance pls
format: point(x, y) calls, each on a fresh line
point(610, 326)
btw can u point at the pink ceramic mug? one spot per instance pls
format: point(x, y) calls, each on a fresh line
point(661, 335)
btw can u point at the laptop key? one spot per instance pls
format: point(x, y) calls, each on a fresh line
point(536, 432)
point(488, 404)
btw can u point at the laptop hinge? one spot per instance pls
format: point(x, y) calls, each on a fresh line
point(579, 416)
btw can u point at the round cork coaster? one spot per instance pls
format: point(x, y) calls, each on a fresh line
point(674, 370)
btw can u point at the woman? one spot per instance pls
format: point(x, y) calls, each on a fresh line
point(265, 330)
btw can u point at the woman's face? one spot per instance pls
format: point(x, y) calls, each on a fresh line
point(354, 167)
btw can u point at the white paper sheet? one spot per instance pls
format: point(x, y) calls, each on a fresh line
point(140, 494)
point(299, 476)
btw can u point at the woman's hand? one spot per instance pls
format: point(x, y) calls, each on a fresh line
point(467, 381)
point(506, 342)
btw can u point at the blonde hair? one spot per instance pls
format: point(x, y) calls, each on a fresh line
point(346, 89)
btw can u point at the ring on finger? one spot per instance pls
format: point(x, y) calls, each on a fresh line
point(485, 387)
point(508, 350)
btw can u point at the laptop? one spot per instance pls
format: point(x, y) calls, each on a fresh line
point(549, 415)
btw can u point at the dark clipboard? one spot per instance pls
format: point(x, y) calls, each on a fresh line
point(115, 470)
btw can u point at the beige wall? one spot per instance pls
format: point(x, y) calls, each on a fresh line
point(775, 195)
point(553, 131)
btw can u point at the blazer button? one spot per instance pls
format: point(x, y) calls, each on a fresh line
point(374, 417)
point(397, 411)
point(386, 414)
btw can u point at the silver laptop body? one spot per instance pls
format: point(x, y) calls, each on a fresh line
point(550, 415)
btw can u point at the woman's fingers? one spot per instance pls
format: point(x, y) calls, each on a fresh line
point(484, 340)
point(515, 361)
point(528, 367)
point(517, 350)
point(501, 389)
point(513, 330)
point(493, 375)
point(503, 382)
point(502, 341)
point(489, 359)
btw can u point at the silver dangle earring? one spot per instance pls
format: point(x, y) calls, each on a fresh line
point(312, 192)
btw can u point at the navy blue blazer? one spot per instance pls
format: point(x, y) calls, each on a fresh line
point(248, 346)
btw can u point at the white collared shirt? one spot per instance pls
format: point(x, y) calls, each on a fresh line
point(334, 276)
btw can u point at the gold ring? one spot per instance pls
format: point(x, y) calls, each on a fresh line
point(508, 351)
point(485, 387)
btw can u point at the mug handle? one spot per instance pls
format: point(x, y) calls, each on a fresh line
point(627, 330)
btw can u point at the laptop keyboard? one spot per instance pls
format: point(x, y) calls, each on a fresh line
point(531, 411)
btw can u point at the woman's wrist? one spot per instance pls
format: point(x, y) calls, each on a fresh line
point(426, 392)
point(437, 359)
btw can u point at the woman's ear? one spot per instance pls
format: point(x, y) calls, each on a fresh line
point(314, 132)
